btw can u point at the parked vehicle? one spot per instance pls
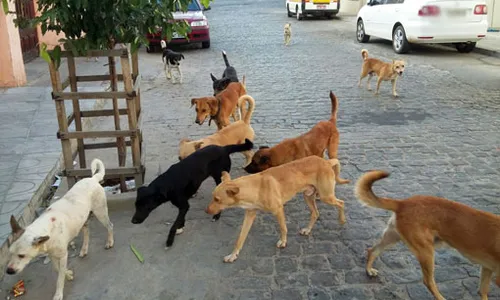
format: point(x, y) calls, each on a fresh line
point(302, 8)
point(404, 22)
point(200, 29)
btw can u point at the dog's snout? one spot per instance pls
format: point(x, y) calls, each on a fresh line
point(11, 271)
point(197, 121)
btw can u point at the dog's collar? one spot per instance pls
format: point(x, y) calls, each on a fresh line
point(214, 117)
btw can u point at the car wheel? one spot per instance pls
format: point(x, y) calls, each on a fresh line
point(205, 45)
point(360, 32)
point(299, 16)
point(330, 16)
point(465, 47)
point(288, 11)
point(399, 42)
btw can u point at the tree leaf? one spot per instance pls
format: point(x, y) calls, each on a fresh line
point(44, 54)
point(5, 6)
point(56, 56)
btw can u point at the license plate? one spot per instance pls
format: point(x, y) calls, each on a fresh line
point(457, 13)
point(321, 6)
point(175, 35)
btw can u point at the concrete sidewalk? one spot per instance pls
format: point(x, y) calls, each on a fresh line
point(29, 150)
point(489, 46)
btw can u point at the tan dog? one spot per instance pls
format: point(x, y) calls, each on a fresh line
point(323, 136)
point(272, 188)
point(385, 71)
point(221, 106)
point(426, 222)
point(288, 33)
point(235, 133)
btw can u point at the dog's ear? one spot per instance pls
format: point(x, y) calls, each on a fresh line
point(183, 141)
point(393, 61)
point(193, 101)
point(40, 240)
point(264, 147)
point(197, 146)
point(225, 176)
point(232, 191)
point(213, 77)
point(16, 228)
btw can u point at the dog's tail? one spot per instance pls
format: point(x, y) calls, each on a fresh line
point(248, 145)
point(366, 196)
point(246, 114)
point(226, 61)
point(335, 163)
point(335, 107)
point(98, 166)
point(364, 54)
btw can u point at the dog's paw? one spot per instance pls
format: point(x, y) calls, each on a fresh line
point(58, 296)
point(369, 88)
point(396, 95)
point(109, 244)
point(230, 258)
point(281, 244)
point(179, 231)
point(372, 272)
point(305, 231)
point(69, 275)
point(83, 253)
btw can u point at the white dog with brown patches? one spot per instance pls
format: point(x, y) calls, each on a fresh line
point(59, 225)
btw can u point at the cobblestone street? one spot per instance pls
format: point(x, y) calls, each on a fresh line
point(441, 137)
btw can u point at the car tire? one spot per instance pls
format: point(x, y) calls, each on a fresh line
point(330, 16)
point(465, 47)
point(289, 14)
point(299, 16)
point(205, 45)
point(399, 42)
point(360, 32)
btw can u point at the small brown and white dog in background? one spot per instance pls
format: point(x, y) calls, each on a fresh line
point(384, 71)
point(288, 33)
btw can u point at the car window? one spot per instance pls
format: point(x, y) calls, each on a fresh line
point(193, 6)
point(377, 2)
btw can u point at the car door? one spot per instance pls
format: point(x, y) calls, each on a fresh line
point(391, 12)
point(373, 17)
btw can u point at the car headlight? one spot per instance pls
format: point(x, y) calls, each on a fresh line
point(199, 23)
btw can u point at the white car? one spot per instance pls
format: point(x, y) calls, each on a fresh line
point(303, 8)
point(461, 22)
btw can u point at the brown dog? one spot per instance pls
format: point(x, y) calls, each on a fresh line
point(221, 106)
point(272, 188)
point(234, 133)
point(425, 222)
point(323, 136)
point(385, 71)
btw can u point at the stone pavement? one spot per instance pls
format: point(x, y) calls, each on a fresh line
point(441, 137)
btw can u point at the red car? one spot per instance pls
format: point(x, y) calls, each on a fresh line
point(200, 30)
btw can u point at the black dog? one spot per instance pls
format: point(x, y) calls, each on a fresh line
point(228, 76)
point(171, 60)
point(182, 180)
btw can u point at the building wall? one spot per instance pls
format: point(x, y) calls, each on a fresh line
point(50, 37)
point(12, 73)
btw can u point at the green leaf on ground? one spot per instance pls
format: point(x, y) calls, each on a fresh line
point(137, 254)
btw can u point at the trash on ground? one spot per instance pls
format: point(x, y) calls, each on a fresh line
point(137, 254)
point(18, 288)
point(115, 189)
point(57, 182)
